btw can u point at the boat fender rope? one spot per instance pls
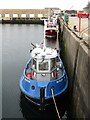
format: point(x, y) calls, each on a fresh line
point(52, 90)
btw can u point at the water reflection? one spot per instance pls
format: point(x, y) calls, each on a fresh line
point(31, 112)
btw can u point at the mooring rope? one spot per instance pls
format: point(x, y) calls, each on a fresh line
point(52, 90)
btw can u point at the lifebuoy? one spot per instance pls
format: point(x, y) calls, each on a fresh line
point(29, 75)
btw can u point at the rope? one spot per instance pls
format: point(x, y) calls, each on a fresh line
point(52, 90)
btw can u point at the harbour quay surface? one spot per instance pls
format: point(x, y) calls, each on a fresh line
point(75, 21)
point(84, 26)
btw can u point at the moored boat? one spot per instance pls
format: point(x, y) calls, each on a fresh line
point(51, 28)
point(43, 73)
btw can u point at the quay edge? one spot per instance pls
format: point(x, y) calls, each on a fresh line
point(76, 58)
point(22, 21)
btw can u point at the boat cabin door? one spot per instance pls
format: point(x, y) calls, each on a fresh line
point(43, 70)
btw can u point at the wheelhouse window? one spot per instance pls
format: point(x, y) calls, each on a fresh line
point(53, 63)
point(43, 66)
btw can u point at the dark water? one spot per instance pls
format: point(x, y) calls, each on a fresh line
point(16, 43)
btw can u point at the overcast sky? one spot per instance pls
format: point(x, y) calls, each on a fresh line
point(34, 4)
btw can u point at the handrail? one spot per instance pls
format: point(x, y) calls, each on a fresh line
point(85, 29)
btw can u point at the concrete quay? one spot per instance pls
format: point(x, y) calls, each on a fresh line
point(76, 56)
point(23, 21)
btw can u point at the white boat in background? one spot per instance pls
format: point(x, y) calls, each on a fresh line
point(51, 28)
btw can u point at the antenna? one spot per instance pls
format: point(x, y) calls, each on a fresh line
point(44, 32)
point(57, 40)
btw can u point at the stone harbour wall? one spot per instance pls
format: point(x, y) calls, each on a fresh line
point(76, 57)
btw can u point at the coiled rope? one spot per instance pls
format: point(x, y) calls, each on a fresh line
point(52, 90)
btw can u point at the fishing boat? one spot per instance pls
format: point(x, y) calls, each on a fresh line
point(43, 73)
point(51, 28)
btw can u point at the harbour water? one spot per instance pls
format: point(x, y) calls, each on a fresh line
point(16, 43)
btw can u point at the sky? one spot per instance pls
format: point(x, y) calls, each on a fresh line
point(40, 4)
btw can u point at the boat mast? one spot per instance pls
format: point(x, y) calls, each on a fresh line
point(57, 45)
point(44, 32)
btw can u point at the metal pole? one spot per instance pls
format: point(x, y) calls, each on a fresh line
point(79, 24)
point(44, 32)
point(57, 40)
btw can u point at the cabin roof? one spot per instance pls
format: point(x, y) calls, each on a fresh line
point(47, 53)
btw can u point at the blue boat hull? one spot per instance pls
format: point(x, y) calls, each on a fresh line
point(32, 89)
